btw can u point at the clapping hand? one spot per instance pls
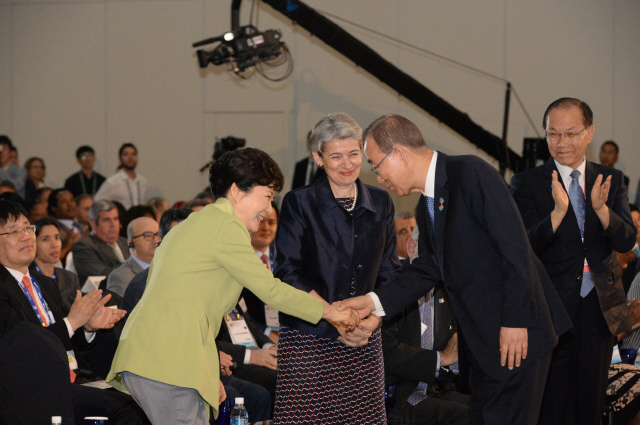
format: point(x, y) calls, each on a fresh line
point(600, 192)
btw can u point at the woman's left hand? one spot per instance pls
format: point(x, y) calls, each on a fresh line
point(346, 320)
point(360, 335)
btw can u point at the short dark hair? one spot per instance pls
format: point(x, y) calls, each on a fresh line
point(13, 197)
point(391, 130)
point(612, 143)
point(124, 146)
point(10, 210)
point(45, 221)
point(84, 148)
point(4, 140)
point(39, 193)
point(169, 216)
point(7, 183)
point(53, 199)
point(246, 168)
point(82, 197)
point(197, 202)
point(634, 207)
point(567, 102)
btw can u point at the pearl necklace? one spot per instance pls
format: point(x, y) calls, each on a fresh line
point(355, 198)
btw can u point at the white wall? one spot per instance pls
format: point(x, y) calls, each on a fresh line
point(107, 72)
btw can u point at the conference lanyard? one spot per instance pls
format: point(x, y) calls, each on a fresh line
point(131, 193)
point(53, 276)
point(84, 186)
point(35, 286)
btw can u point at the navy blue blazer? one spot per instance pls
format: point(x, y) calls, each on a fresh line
point(481, 253)
point(322, 247)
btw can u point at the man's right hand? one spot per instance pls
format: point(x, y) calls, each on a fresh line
point(266, 357)
point(226, 363)
point(449, 355)
point(83, 308)
point(363, 305)
point(561, 200)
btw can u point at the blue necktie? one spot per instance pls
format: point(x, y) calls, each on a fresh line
point(430, 204)
point(576, 196)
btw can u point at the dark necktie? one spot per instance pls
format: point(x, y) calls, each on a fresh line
point(578, 202)
point(430, 204)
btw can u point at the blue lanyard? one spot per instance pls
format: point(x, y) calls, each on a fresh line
point(53, 276)
point(35, 285)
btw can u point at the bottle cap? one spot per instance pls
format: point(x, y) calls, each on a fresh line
point(56, 419)
point(239, 400)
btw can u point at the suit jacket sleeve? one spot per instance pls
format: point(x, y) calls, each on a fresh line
point(540, 232)
point(236, 352)
point(621, 232)
point(405, 361)
point(87, 261)
point(490, 204)
point(390, 264)
point(291, 228)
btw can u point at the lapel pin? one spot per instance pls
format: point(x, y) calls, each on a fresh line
point(441, 207)
point(441, 300)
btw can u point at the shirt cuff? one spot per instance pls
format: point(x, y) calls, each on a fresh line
point(379, 311)
point(267, 345)
point(69, 328)
point(247, 356)
point(267, 331)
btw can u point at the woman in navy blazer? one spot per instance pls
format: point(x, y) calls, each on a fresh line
point(336, 238)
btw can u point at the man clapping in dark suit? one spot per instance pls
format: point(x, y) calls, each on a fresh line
point(577, 213)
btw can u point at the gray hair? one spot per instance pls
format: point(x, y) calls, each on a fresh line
point(98, 207)
point(403, 215)
point(337, 125)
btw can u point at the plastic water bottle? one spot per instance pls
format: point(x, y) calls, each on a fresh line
point(239, 415)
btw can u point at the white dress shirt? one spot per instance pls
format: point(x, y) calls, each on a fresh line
point(119, 187)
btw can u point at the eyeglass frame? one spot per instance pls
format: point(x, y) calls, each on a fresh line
point(568, 135)
point(153, 235)
point(376, 167)
point(25, 230)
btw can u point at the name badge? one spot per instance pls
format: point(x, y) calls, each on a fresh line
point(238, 330)
point(71, 357)
point(271, 317)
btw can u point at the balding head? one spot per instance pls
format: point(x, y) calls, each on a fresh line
point(142, 234)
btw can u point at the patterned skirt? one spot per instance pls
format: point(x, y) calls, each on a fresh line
point(322, 381)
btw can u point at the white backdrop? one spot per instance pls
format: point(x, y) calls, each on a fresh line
point(103, 73)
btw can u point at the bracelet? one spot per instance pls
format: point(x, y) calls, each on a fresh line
point(89, 330)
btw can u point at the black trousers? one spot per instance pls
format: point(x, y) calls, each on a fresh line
point(448, 408)
point(256, 398)
point(577, 381)
point(512, 401)
point(35, 384)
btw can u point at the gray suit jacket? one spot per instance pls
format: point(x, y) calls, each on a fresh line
point(120, 277)
point(93, 257)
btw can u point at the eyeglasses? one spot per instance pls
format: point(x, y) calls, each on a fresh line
point(148, 236)
point(375, 168)
point(16, 232)
point(568, 135)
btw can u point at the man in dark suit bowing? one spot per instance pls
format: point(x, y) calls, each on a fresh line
point(472, 240)
point(577, 213)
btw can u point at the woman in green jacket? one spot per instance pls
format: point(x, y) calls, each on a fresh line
point(167, 357)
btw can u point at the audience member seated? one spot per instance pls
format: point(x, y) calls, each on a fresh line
point(37, 211)
point(132, 295)
point(62, 207)
point(609, 156)
point(34, 298)
point(10, 171)
point(7, 186)
point(14, 155)
point(257, 400)
point(86, 181)
point(197, 204)
point(42, 195)
point(632, 339)
point(262, 243)
point(35, 179)
point(159, 206)
point(416, 345)
point(133, 213)
point(142, 240)
point(48, 248)
point(126, 186)
point(630, 264)
point(405, 223)
point(83, 205)
point(13, 197)
point(103, 250)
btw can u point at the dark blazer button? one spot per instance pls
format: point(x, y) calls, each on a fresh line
point(355, 236)
point(579, 277)
point(359, 267)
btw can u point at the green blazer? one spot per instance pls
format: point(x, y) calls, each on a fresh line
point(195, 278)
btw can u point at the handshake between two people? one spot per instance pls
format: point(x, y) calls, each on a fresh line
point(354, 325)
